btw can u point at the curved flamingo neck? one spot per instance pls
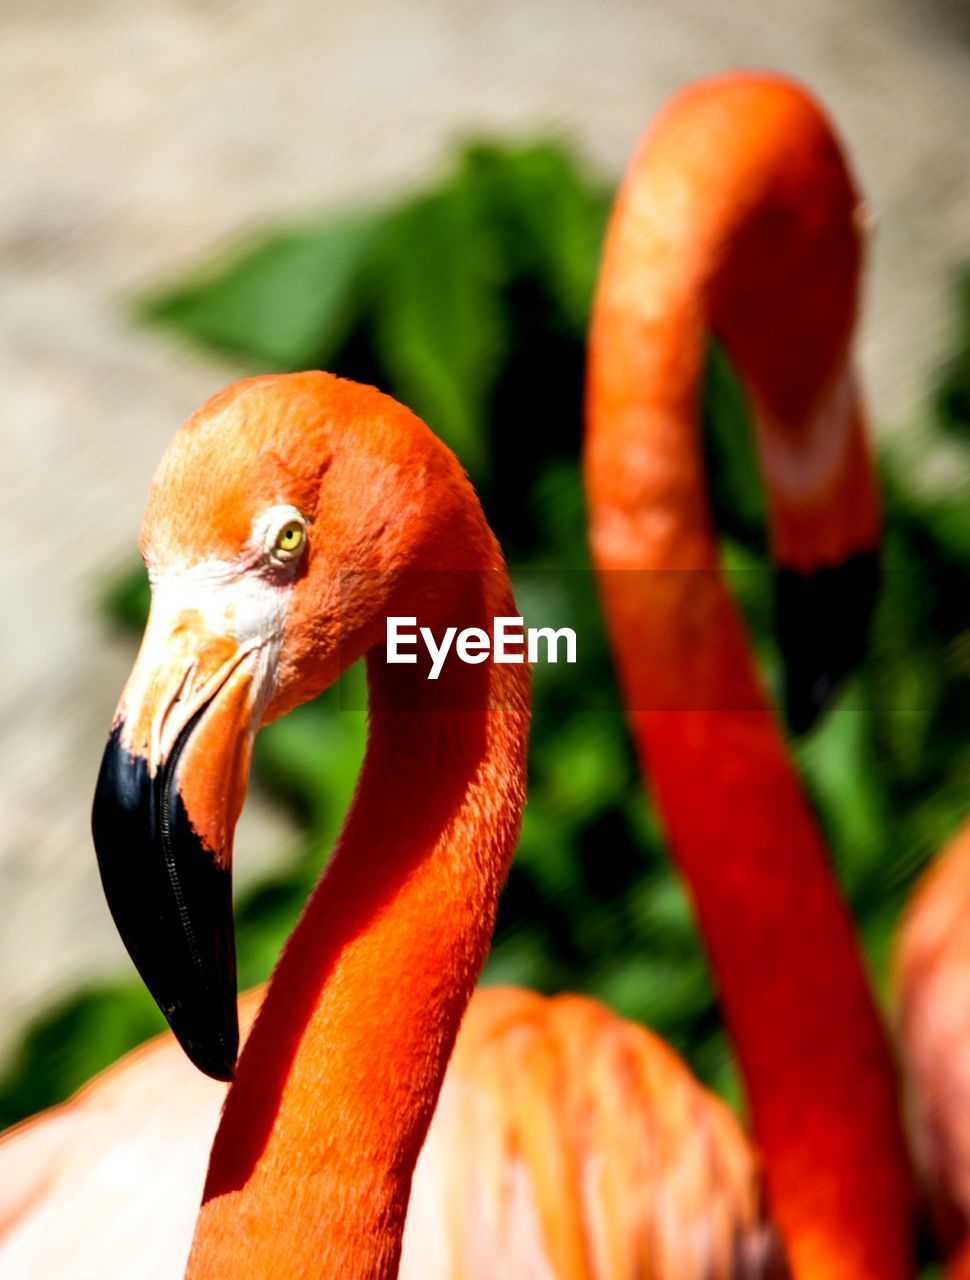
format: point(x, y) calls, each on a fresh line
point(311, 1168)
point(738, 217)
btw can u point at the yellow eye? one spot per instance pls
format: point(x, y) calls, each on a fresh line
point(290, 538)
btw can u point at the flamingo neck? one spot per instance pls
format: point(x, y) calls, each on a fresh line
point(737, 218)
point(311, 1168)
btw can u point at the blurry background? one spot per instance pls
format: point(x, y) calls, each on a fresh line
point(414, 193)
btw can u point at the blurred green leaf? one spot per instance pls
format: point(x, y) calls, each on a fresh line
point(125, 597)
point(72, 1042)
point(311, 758)
point(549, 219)
point(284, 302)
point(839, 765)
point(439, 330)
point(734, 479)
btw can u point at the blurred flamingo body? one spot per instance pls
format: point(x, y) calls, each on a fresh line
point(739, 218)
point(567, 1144)
point(932, 981)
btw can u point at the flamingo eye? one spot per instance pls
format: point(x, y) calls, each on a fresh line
point(282, 533)
point(289, 540)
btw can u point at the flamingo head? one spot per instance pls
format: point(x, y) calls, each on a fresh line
point(279, 524)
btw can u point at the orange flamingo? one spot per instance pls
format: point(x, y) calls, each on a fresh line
point(276, 1201)
point(738, 217)
point(932, 976)
point(274, 556)
point(289, 518)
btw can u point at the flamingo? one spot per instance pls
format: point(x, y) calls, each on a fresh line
point(600, 1156)
point(931, 974)
point(289, 516)
point(739, 218)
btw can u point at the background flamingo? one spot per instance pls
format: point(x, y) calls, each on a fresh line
point(739, 218)
point(932, 977)
point(885, 1214)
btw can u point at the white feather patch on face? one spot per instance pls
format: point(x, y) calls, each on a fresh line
point(228, 598)
point(213, 604)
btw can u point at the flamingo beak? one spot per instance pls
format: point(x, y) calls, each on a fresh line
point(171, 786)
point(822, 623)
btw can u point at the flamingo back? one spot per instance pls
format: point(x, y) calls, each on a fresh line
point(570, 1144)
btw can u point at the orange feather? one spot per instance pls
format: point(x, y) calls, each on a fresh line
point(931, 980)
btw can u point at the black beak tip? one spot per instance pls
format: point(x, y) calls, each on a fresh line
point(822, 621)
point(224, 1071)
point(214, 1058)
point(172, 904)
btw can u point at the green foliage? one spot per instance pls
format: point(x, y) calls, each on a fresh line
point(72, 1042)
point(438, 331)
point(470, 302)
point(126, 597)
point(433, 298)
point(291, 305)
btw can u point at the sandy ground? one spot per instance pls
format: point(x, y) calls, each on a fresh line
point(136, 138)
